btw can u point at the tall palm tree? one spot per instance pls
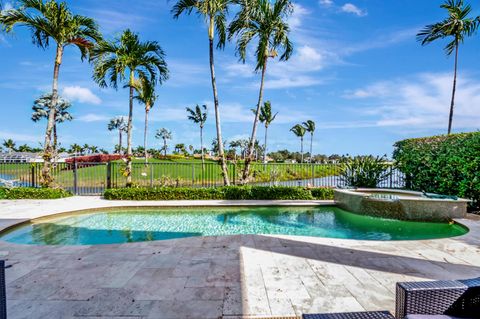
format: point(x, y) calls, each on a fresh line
point(75, 149)
point(41, 110)
point(266, 117)
point(267, 23)
point(146, 96)
point(9, 145)
point(199, 116)
point(456, 27)
point(127, 59)
point(299, 131)
point(215, 13)
point(52, 21)
point(310, 128)
point(165, 135)
point(118, 123)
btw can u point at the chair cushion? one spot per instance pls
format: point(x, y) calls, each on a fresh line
point(431, 317)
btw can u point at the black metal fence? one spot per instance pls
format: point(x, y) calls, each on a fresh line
point(94, 178)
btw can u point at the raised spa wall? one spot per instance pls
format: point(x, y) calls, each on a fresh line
point(405, 205)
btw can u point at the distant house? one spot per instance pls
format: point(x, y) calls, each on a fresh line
point(290, 161)
point(26, 157)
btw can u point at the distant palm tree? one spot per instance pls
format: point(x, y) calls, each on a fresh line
point(266, 22)
point(457, 26)
point(215, 14)
point(52, 20)
point(24, 148)
point(146, 96)
point(93, 149)
point(299, 131)
point(41, 110)
point(125, 59)
point(75, 149)
point(118, 123)
point(199, 116)
point(165, 135)
point(310, 128)
point(9, 145)
point(266, 117)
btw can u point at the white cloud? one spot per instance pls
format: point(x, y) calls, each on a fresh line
point(18, 137)
point(299, 13)
point(351, 8)
point(420, 102)
point(80, 94)
point(91, 117)
point(326, 3)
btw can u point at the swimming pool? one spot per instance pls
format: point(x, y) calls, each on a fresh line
point(148, 224)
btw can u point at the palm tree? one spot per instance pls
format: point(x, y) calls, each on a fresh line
point(165, 135)
point(456, 27)
point(75, 149)
point(125, 59)
point(215, 14)
point(299, 131)
point(310, 128)
point(9, 145)
point(199, 116)
point(118, 123)
point(52, 21)
point(266, 117)
point(41, 110)
point(24, 148)
point(146, 96)
point(267, 23)
point(93, 149)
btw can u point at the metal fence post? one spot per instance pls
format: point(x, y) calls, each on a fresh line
point(109, 174)
point(193, 174)
point(32, 176)
point(75, 177)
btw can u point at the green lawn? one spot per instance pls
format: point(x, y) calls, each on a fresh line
point(182, 172)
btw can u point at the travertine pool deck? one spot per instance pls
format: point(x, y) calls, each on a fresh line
point(218, 277)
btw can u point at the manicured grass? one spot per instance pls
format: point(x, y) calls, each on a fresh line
point(176, 172)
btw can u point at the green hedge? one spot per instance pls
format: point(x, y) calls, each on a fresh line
point(447, 164)
point(220, 193)
point(33, 193)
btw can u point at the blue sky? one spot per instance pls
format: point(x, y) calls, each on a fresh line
point(357, 71)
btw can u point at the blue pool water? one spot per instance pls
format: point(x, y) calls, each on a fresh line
point(147, 224)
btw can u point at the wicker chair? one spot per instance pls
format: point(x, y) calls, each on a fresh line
point(459, 298)
point(3, 295)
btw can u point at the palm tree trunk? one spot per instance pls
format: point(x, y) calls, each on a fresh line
point(221, 152)
point(120, 141)
point(311, 147)
point(145, 133)
point(452, 104)
point(55, 142)
point(301, 147)
point(47, 147)
point(201, 147)
point(248, 159)
point(129, 131)
point(265, 145)
point(165, 147)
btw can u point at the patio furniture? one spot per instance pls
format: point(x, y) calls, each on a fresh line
point(352, 315)
point(3, 294)
point(456, 298)
point(425, 300)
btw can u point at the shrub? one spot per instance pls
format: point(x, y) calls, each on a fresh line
point(322, 193)
point(446, 164)
point(33, 193)
point(220, 193)
point(99, 158)
point(3, 193)
point(365, 171)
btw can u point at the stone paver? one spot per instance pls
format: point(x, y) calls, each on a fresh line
point(215, 277)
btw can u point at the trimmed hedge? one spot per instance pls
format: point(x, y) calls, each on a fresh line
point(33, 193)
point(220, 193)
point(446, 164)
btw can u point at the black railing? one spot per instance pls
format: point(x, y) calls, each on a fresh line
point(94, 178)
